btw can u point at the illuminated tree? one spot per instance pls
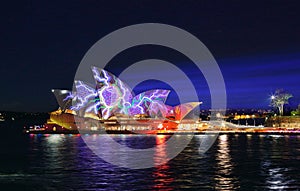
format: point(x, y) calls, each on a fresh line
point(279, 99)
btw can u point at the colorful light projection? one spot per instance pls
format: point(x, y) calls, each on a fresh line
point(110, 96)
point(86, 98)
point(148, 102)
point(116, 97)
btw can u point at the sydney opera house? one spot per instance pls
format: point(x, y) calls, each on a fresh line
point(110, 104)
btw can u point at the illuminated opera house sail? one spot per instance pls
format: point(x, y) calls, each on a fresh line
point(110, 97)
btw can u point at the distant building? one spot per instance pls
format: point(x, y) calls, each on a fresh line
point(284, 122)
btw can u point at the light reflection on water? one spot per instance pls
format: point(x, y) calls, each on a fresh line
point(161, 175)
point(64, 162)
point(224, 167)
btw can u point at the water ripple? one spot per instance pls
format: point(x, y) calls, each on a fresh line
point(64, 162)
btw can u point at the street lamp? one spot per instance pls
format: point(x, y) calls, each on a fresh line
point(253, 117)
point(247, 117)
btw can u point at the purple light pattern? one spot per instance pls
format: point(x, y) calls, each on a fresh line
point(149, 102)
point(111, 96)
point(85, 98)
point(116, 97)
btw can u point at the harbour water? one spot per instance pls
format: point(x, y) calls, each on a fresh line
point(64, 162)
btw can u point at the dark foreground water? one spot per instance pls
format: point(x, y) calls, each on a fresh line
point(64, 162)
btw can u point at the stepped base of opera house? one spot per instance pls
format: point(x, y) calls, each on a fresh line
point(68, 122)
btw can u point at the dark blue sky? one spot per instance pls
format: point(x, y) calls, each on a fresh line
point(256, 45)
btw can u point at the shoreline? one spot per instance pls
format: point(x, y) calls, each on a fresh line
point(171, 133)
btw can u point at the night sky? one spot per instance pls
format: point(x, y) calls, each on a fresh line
point(257, 46)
